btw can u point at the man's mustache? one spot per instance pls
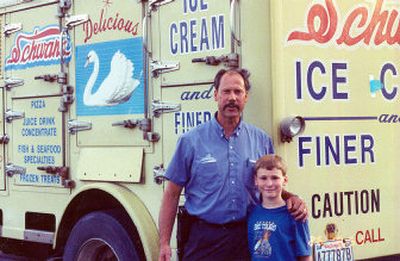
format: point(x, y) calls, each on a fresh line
point(231, 105)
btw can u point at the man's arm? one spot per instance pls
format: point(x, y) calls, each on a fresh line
point(296, 206)
point(166, 219)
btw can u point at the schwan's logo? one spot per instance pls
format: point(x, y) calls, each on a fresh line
point(38, 48)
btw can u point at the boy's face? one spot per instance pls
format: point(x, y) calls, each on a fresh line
point(270, 183)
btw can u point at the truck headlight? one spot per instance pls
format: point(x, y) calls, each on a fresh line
point(290, 127)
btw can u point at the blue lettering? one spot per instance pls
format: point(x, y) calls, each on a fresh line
point(315, 95)
point(184, 40)
point(385, 93)
point(318, 147)
point(319, 92)
point(177, 121)
point(302, 150)
point(298, 80)
point(50, 179)
point(217, 28)
point(185, 6)
point(193, 5)
point(23, 148)
point(203, 5)
point(38, 132)
point(185, 121)
point(367, 143)
point(47, 121)
point(204, 35)
point(38, 104)
point(173, 30)
point(29, 178)
point(348, 149)
point(331, 150)
point(193, 35)
point(336, 80)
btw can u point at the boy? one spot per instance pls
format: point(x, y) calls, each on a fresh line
point(273, 233)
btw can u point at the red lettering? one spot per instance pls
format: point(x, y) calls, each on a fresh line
point(368, 236)
point(381, 27)
point(107, 24)
point(345, 36)
point(87, 28)
point(327, 24)
point(359, 240)
point(40, 46)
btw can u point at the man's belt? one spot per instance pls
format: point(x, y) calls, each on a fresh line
point(228, 225)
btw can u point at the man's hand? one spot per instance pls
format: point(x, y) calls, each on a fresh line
point(165, 253)
point(297, 208)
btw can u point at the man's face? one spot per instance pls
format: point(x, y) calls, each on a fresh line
point(231, 96)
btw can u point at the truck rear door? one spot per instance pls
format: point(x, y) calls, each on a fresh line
point(193, 43)
point(36, 151)
point(111, 96)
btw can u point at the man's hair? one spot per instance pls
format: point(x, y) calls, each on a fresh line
point(269, 162)
point(242, 72)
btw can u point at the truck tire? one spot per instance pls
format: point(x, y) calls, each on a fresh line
point(100, 235)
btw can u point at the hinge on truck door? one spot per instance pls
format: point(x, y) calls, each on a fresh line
point(75, 20)
point(13, 82)
point(153, 4)
point(157, 67)
point(13, 115)
point(230, 60)
point(9, 29)
point(67, 97)
point(74, 126)
point(4, 139)
point(143, 124)
point(12, 170)
point(63, 7)
point(47, 77)
point(159, 107)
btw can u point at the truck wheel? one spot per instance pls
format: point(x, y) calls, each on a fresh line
point(100, 236)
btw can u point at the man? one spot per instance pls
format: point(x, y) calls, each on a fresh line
point(214, 163)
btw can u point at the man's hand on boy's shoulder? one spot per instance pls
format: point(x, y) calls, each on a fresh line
point(297, 208)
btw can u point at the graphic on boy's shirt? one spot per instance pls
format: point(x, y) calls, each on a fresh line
point(263, 247)
point(262, 233)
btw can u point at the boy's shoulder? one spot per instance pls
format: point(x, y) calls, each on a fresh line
point(279, 211)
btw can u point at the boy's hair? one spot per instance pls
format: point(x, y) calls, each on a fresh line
point(270, 162)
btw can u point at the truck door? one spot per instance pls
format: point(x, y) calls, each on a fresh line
point(111, 98)
point(36, 151)
point(193, 43)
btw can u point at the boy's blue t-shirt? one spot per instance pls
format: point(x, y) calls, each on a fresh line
point(275, 235)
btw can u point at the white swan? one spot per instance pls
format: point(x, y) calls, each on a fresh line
point(116, 88)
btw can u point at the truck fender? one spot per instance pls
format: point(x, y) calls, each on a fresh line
point(142, 219)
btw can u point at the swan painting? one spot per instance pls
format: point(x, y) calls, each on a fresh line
point(118, 85)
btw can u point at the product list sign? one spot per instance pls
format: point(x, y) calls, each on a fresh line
point(37, 140)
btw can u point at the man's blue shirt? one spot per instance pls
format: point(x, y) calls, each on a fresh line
point(217, 172)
